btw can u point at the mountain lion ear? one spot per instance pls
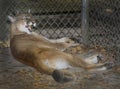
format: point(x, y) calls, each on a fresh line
point(12, 19)
point(17, 12)
point(29, 11)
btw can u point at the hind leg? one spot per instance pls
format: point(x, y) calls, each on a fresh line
point(78, 62)
point(59, 75)
point(93, 59)
point(63, 76)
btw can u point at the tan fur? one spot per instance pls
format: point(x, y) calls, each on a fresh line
point(42, 54)
point(53, 43)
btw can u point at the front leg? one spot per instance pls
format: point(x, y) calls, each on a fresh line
point(65, 42)
point(61, 44)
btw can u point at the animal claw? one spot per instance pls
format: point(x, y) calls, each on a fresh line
point(109, 65)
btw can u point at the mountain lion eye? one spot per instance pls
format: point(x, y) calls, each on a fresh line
point(30, 23)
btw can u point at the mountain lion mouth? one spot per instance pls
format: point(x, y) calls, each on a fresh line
point(31, 25)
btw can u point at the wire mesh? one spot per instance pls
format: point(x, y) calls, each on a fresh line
point(56, 18)
point(104, 20)
point(59, 18)
point(104, 24)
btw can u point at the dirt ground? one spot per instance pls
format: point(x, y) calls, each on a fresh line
point(14, 75)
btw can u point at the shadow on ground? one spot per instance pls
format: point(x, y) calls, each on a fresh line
point(14, 75)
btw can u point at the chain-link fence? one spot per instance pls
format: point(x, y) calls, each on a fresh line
point(104, 24)
point(59, 18)
point(56, 18)
point(92, 22)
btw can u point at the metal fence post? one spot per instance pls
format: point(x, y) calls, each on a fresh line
point(4, 5)
point(85, 31)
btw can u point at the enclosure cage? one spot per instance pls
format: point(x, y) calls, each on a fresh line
point(92, 22)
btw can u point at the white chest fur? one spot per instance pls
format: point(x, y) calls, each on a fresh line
point(57, 64)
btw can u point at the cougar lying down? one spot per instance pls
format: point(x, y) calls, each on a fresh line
point(45, 55)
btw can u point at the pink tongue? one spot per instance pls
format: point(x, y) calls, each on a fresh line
point(28, 28)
